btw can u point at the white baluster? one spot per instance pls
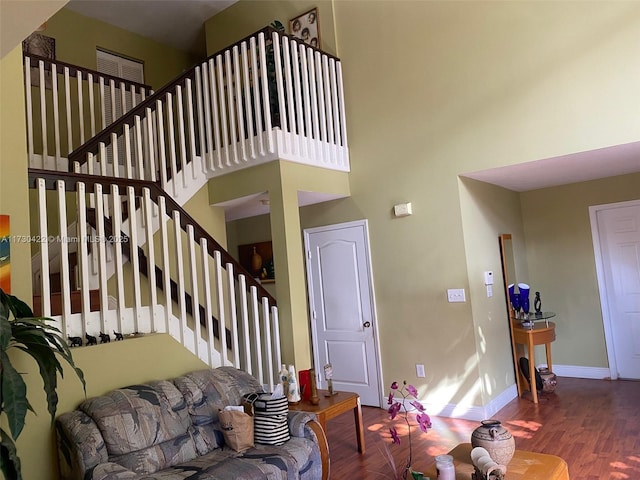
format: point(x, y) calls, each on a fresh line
point(238, 100)
point(267, 340)
point(114, 157)
point(195, 300)
point(172, 145)
point(150, 144)
point(233, 139)
point(308, 125)
point(180, 267)
point(233, 320)
point(276, 335)
point(247, 99)
point(215, 113)
point(191, 127)
point(151, 255)
point(257, 337)
point(208, 307)
point(127, 152)
point(298, 100)
point(266, 105)
point(135, 260)
point(45, 289)
point(103, 109)
point(321, 105)
point(181, 137)
point(222, 325)
point(137, 132)
point(327, 92)
point(343, 120)
point(43, 114)
point(102, 257)
point(289, 95)
point(279, 82)
point(92, 106)
point(244, 316)
point(116, 220)
point(65, 274)
point(223, 109)
point(83, 254)
point(200, 111)
point(256, 93)
point(314, 102)
point(207, 118)
point(80, 106)
point(161, 147)
point(29, 101)
point(334, 98)
point(56, 113)
point(166, 266)
point(112, 97)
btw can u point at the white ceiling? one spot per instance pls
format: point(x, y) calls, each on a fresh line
point(177, 23)
point(577, 167)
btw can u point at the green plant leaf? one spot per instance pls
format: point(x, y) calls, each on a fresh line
point(14, 396)
point(17, 306)
point(9, 461)
point(5, 328)
point(48, 365)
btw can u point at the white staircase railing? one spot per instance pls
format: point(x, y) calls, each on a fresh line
point(170, 275)
point(267, 97)
point(67, 105)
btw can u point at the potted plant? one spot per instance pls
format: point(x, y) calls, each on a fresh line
point(44, 343)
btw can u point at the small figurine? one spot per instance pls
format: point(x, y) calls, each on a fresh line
point(91, 340)
point(118, 336)
point(104, 338)
point(75, 341)
point(537, 303)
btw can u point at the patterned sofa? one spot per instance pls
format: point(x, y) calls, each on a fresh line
point(169, 430)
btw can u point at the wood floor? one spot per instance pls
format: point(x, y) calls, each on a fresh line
point(593, 424)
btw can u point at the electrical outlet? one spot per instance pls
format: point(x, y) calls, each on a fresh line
point(420, 370)
point(456, 295)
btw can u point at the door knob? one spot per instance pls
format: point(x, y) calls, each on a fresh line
point(366, 324)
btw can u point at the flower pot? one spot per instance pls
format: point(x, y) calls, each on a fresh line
point(496, 439)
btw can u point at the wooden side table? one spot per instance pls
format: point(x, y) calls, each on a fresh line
point(540, 334)
point(523, 466)
point(330, 407)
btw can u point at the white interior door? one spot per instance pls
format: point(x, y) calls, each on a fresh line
point(619, 239)
point(342, 308)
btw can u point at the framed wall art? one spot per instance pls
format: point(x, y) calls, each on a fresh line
point(5, 254)
point(306, 27)
point(41, 45)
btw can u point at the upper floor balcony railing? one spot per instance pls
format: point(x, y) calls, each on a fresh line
point(264, 98)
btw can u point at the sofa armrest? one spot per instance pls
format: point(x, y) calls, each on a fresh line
point(80, 445)
point(305, 425)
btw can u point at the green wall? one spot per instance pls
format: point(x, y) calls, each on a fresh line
point(438, 89)
point(78, 37)
point(561, 261)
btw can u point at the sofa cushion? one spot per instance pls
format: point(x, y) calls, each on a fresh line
point(206, 392)
point(145, 427)
point(293, 461)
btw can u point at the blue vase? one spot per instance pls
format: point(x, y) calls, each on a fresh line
point(524, 296)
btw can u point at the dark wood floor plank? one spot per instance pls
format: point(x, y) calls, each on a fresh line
point(593, 424)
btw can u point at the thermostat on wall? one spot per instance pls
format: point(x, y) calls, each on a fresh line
point(402, 209)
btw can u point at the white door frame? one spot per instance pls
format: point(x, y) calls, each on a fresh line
point(602, 287)
point(374, 314)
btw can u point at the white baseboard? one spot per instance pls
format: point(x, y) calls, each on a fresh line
point(575, 371)
point(478, 413)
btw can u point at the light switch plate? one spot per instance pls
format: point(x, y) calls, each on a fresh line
point(455, 295)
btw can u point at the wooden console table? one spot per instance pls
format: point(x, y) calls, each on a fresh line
point(330, 407)
point(542, 333)
point(523, 466)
